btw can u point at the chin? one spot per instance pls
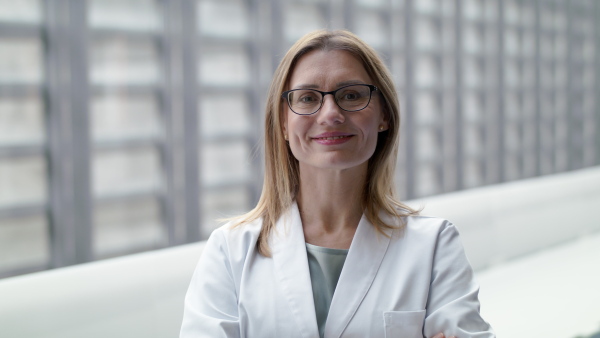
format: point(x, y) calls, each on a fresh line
point(337, 164)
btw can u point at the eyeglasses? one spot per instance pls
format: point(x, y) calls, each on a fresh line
point(349, 98)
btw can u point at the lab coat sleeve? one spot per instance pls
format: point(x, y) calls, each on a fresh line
point(211, 301)
point(453, 304)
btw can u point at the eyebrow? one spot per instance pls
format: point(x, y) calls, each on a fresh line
point(338, 85)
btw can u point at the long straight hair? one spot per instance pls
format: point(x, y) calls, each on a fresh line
point(281, 177)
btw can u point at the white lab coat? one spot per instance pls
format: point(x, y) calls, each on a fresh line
point(415, 283)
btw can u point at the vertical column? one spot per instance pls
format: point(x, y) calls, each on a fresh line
point(572, 103)
point(500, 147)
point(256, 93)
point(82, 203)
point(190, 118)
point(277, 31)
point(537, 119)
point(171, 106)
point(458, 131)
point(61, 213)
point(409, 101)
point(596, 10)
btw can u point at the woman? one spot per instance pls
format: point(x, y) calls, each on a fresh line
point(328, 251)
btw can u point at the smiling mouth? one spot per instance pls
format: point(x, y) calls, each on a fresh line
point(332, 138)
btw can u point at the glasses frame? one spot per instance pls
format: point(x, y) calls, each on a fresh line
point(372, 88)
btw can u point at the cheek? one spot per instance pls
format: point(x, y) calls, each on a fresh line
point(371, 125)
point(297, 125)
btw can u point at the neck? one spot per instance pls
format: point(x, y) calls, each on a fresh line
point(331, 204)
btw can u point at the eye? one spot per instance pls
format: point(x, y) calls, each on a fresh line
point(306, 97)
point(350, 95)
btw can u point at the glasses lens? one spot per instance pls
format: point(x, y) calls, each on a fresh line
point(304, 101)
point(353, 98)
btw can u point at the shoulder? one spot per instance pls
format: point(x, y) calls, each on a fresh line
point(237, 241)
point(424, 225)
point(429, 224)
point(424, 232)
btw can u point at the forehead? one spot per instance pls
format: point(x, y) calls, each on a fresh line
point(327, 70)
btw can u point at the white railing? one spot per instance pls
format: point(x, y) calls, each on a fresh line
point(537, 278)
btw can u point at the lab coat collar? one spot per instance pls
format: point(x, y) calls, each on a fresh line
point(291, 265)
point(362, 263)
point(288, 250)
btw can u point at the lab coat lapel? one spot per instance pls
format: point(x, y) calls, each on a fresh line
point(291, 268)
point(362, 263)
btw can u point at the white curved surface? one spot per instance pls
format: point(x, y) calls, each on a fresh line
point(139, 295)
point(550, 292)
point(501, 222)
point(535, 246)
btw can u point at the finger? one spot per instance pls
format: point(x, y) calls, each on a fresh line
point(439, 335)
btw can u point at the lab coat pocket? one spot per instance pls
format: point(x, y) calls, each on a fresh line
point(404, 324)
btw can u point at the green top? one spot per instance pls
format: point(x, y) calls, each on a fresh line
point(325, 266)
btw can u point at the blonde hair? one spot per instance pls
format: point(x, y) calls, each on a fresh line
point(281, 177)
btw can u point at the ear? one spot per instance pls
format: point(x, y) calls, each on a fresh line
point(384, 123)
point(284, 124)
point(384, 126)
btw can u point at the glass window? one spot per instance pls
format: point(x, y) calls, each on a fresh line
point(222, 203)
point(560, 47)
point(21, 120)
point(472, 108)
point(472, 39)
point(512, 108)
point(371, 28)
point(300, 19)
point(24, 243)
point(472, 140)
point(428, 145)
point(428, 180)
point(128, 122)
point(120, 60)
point(472, 9)
point(223, 18)
point(126, 171)
point(511, 12)
point(224, 66)
point(511, 42)
point(472, 173)
point(528, 74)
point(22, 181)
point(122, 116)
point(22, 11)
point(426, 34)
point(511, 74)
point(375, 4)
point(528, 40)
point(472, 73)
point(225, 163)
point(427, 6)
point(21, 61)
point(135, 15)
point(427, 108)
point(224, 114)
point(511, 167)
point(512, 137)
point(426, 72)
point(123, 227)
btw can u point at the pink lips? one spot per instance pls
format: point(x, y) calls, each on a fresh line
point(332, 138)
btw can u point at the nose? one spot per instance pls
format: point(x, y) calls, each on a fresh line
point(330, 112)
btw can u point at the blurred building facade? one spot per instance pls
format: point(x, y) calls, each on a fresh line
point(131, 125)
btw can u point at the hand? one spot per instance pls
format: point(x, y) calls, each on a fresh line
point(441, 335)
